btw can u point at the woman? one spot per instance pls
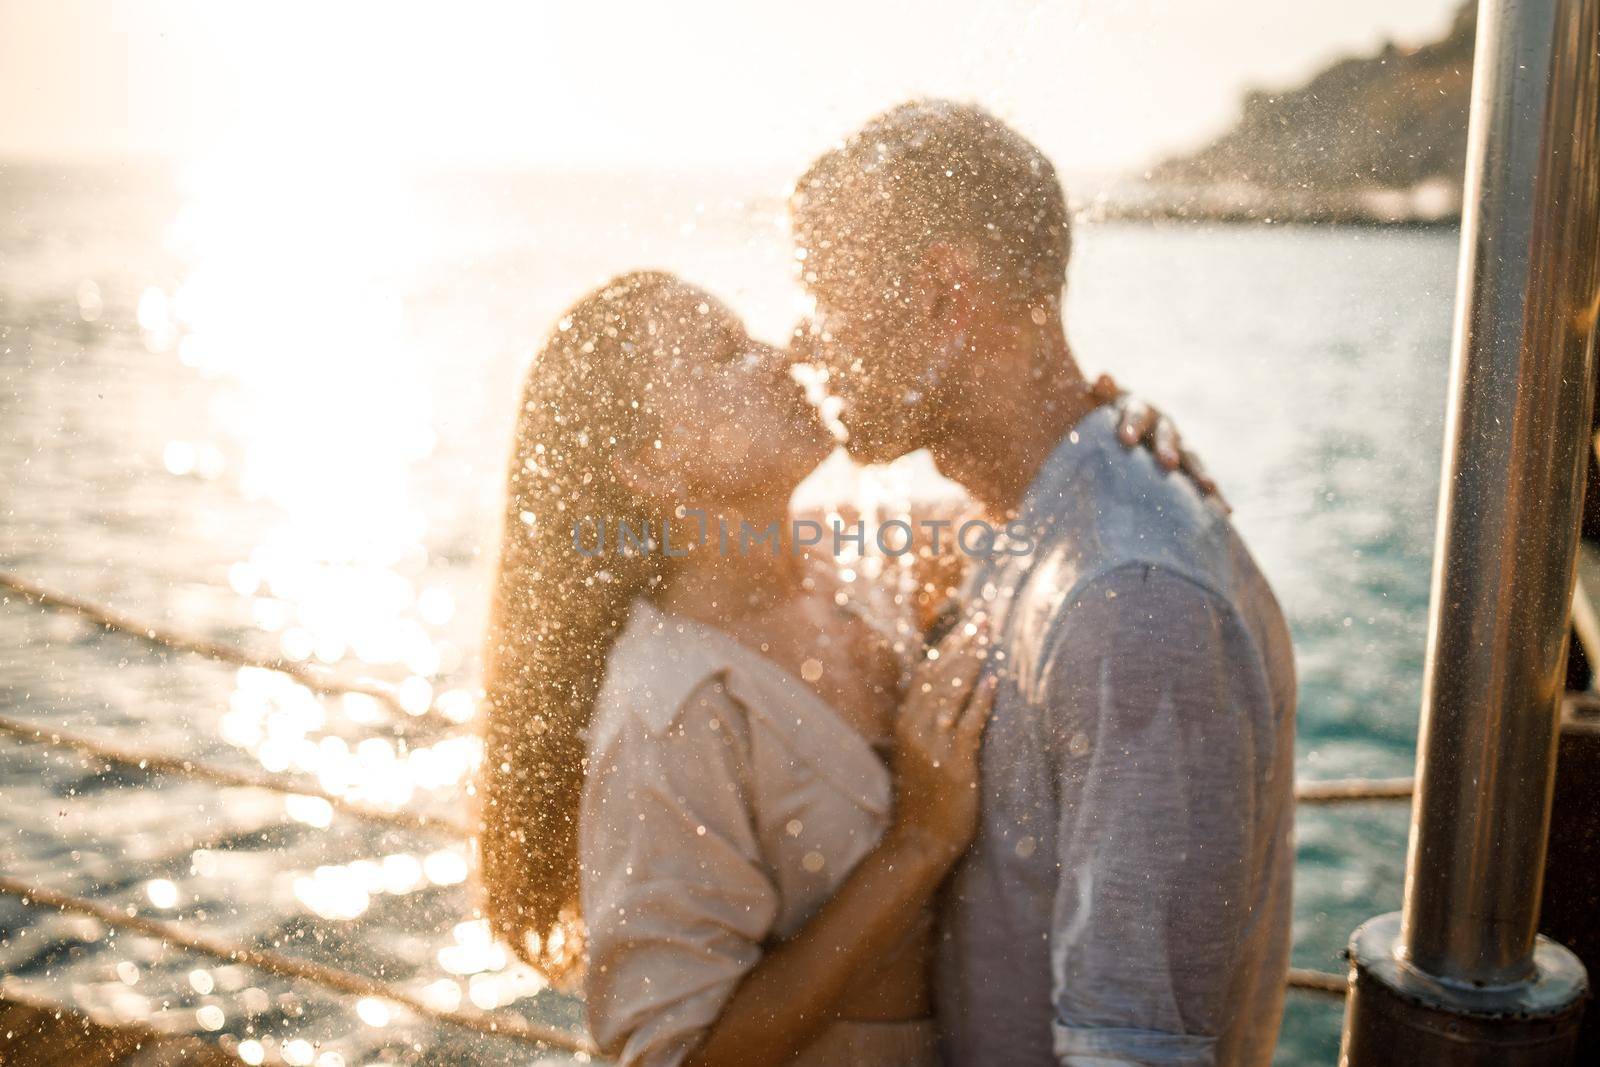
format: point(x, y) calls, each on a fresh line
point(744, 883)
point(684, 778)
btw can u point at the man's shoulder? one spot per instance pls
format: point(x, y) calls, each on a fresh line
point(1101, 507)
point(1123, 541)
point(1145, 514)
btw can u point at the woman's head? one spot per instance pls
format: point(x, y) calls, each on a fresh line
point(727, 426)
point(648, 397)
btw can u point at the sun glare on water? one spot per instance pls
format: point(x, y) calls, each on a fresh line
point(292, 304)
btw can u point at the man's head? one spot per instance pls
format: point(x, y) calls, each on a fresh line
point(922, 236)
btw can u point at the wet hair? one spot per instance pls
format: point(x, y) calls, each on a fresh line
point(926, 171)
point(556, 613)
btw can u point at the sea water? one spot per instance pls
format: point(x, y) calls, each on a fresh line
point(271, 405)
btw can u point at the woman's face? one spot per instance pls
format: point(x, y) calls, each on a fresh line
point(734, 426)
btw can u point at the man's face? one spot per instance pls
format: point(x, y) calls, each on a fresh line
point(884, 363)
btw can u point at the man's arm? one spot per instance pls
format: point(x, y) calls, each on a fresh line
point(1162, 723)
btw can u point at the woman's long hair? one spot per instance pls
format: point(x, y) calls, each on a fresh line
point(556, 612)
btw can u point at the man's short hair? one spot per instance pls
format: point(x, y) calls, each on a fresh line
point(926, 171)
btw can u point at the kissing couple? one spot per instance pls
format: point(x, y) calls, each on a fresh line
point(971, 807)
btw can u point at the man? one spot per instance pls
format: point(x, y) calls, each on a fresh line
point(1127, 899)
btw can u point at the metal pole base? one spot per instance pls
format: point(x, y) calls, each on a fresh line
point(1398, 1015)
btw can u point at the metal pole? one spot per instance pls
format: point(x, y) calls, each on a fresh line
point(1462, 960)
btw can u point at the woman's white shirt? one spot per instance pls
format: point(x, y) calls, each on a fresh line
point(725, 802)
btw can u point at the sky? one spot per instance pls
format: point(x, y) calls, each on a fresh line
point(1104, 86)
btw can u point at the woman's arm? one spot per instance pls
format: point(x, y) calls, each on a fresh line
point(797, 987)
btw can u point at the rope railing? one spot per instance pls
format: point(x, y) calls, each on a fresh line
point(1333, 791)
point(351, 983)
point(1298, 978)
point(159, 763)
point(1324, 982)
point(498, 1024)
point(313, 676)
point(1353, 790)
point(323, 680)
